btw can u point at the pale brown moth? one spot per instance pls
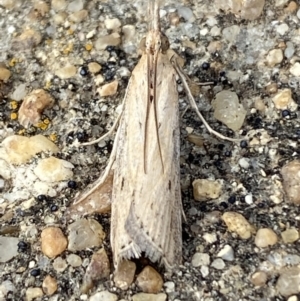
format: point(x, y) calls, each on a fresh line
point(142, 178)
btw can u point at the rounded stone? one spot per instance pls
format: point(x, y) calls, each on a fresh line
point(265, 237)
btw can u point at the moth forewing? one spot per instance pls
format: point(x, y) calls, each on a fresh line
point(146, 205)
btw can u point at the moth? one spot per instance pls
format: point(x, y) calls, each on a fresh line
point(142, 179)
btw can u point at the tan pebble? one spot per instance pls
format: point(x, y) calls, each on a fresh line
point(33, 293)
point(54, 242)
point(214, 46)
point(99, 268)
point(149, 297)
point(58, 4)
point(27, 40)
point(42, 7)
point(290, 235)
point(174, 18)
point(53, 170)
point(295, 69)
point(113, 39)
point(94, 67)
point(78, 16)
point(74, 260)
point(20, 149)
point(128, 32)
point(292, 7)
point(66, 72)
point(291, 180)
point(235, 222)
point(259, 278)
point(33, 106)
point(4, 74)
point(204, 189)
point(149, 280)
point(49, 285)
point(124, 275)
point(265, 237)
point(283, 100)
point(274, 57)
point(60, 18)
point(272, 88)
point(196, 139)
point(108, 89)
point(259, 105)
point(112, 24)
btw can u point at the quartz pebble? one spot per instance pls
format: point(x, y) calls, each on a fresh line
point(66, 72)
point(169, 286)
point(149, 280)
point(78, 16)
point(59, 264)
point(282, 29)
point(290, 235)
point(54, 170)
point(104, 296)
point(289, 50)
point(4, 74)
point(124, 275)
point(6, 286)
point(274, 57)
point(228, 110)
point(85, 233)
point(288, 282)
point(291, 179)
point(75, 5)
point(54, 242)
point(33, 106)
point(226, 253)
point(259, 278)
point(58, 4)
point(19, 149)
point(204, 189)
point(235, 222)
point(9, 248)
point(149, 297)
point(283, 100)
point(49, 285)
point(33, 293)
point(19, 93)
point(108, 89)
point(265, 237)
point(200, 259)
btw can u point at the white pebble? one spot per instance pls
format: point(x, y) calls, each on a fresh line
point(244, 163)
point(282, 29)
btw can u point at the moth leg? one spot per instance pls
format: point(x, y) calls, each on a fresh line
point(194, 105)
point(105, 135)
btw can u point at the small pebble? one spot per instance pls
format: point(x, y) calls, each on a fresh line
point(53, 170)
point(4, 74)
point(104, 296)
point(74, 260)
point(59, 264)
point(282, 29)
point(226, 253)
point(58, 5)
point(288, 282)
point(283, 100)
point(204, 189)
point(78, 16)
point(228, 110)
point(66, 72)
point(124, 275)
point(265, 237)
point(108, 89)
point(53, 242)
point(218, 264)
point(291, 179)
point(94, 67)
point(200, 259)
point(169, 286)
point(112, 24)
point(85, 233)
point(259, 278)
point(290, 235)
point(9, 248)
point(274, 57)
point(28, 39)
point(49, 285)
point(33, 293)
point(295, 69)
point(113, 39)
point(204, 271)
point(235, 222)
point(290, 50)
point(149, 280)
point(149, 297)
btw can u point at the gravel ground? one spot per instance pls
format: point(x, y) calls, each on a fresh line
point(241, 238)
